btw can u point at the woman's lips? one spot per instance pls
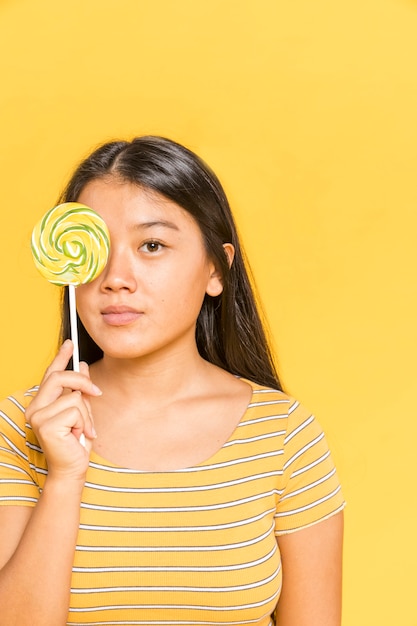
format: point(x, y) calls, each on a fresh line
point(120, 315)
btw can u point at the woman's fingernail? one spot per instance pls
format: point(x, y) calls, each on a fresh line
point(96, 390)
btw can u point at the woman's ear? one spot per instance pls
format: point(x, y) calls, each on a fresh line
point(230, 253)
point(215, 283)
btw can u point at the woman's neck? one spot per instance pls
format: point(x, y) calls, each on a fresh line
point(170, 376)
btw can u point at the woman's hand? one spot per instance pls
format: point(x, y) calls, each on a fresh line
point(60, 413)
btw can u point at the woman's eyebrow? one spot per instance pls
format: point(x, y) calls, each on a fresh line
point(162, 223)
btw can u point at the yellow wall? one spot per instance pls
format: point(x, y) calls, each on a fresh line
point(308, 112)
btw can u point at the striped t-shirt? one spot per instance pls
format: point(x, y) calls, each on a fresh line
point(194, 546)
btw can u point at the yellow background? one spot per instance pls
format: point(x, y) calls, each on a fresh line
point(308, 113)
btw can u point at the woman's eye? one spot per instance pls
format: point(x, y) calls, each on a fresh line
point(152, 246)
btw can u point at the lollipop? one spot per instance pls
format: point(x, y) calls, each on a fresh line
point(70, 246)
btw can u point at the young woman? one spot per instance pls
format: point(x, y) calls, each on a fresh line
point(204, 495)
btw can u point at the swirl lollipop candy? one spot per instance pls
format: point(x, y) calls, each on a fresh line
point(70, 246)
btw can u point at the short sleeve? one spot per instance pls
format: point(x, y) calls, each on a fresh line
point(18, 482)
point(310, 490)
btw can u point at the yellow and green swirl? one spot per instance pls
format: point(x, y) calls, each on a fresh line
point(70, 244)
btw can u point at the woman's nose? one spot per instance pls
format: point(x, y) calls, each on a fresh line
point(118, 273)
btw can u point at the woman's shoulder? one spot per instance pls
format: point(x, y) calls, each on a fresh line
point(275, 403)
point(13, 407)
point(265, 395)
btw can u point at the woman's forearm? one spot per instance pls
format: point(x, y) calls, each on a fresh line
point(35, 582)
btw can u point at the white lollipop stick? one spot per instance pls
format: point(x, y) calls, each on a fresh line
point(74, 329)
point(74, 339)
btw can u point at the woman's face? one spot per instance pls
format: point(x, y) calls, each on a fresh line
point(147, 299)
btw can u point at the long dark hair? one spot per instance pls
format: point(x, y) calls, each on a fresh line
point(229, 330)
